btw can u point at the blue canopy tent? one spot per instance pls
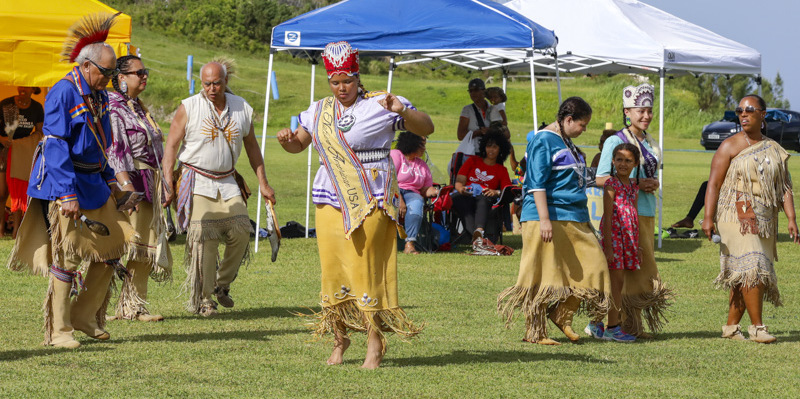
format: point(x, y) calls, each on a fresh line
point(462, 32)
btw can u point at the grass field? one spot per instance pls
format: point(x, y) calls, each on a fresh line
point(259, 349)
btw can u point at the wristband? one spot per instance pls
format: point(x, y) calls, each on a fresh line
point(402, 111)
point(125, 183)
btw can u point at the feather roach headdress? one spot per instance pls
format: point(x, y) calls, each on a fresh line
point(90, 29)
point(230, 67)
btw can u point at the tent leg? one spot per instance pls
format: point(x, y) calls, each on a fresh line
point(533, 91)
point(660, 197)
point(310, 150)
point(391, 74)
point(558, 78)
point(264, 141)
point(505, 80)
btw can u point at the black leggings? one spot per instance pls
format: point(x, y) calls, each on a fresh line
point(699, 202)
point(474, 211)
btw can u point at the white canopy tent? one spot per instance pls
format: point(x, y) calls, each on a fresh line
point(421, 28)
point(628, 36)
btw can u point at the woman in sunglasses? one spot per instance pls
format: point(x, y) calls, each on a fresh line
point(135, 157)
point(748, 185)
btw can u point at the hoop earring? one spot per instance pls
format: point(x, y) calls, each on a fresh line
point(123, 86)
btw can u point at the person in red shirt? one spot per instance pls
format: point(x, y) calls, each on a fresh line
point(481, 180)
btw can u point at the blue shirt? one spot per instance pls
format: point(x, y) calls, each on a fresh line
point(70, 138)
point(647, 201)
point(553, 168)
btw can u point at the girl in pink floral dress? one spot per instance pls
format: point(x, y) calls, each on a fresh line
point(620, 228)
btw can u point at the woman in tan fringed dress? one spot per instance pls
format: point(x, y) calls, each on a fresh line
point(562, 262)
point(357, 201)
point(748, 185)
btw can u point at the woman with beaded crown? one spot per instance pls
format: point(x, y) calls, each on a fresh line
point(643, 292)
point(357, 198)
point(748, 185)
point(135, 156)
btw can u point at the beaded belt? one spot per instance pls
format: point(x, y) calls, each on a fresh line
point(87, 167)
point(367, 156)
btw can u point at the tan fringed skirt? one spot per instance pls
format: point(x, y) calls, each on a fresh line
point(359, 276)
point(747, 260)
point(146, 247)
point(35, 249)
point(643, 294)
point(571, 265)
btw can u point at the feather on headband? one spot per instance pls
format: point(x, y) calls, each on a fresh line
point(90, 29)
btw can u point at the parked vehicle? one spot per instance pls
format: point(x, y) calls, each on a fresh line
point(783, 126)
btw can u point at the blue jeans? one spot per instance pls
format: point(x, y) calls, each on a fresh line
point(414, 205)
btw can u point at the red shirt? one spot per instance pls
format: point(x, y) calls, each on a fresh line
point(492, 177)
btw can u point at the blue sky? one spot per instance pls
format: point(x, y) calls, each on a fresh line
point(772, 27)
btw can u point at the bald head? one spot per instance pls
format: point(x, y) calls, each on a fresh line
point(219, 68)
point(214, 78)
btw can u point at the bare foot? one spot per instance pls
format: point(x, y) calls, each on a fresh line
point(339, 346)
point(685, 222)
point(375, 351)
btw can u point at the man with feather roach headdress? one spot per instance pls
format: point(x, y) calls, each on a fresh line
point(71, 193)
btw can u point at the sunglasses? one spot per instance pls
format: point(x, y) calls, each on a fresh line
point(748, 109)
point(109, 73)
point(140, 73)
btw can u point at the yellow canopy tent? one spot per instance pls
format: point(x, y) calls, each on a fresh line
point(31, 36)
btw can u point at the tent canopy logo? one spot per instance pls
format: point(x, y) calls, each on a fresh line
point(291, 38)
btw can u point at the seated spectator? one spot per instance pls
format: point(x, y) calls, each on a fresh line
point(697, 205)
point(480, 181)
point(415, 181)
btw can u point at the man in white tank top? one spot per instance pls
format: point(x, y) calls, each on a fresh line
point(207, 135)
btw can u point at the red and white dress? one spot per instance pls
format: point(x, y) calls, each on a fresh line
point(624, 226)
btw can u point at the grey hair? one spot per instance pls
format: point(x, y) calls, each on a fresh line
point(91, 52)
point(222, 65)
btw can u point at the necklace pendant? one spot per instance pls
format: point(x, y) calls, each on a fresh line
point(346, 122)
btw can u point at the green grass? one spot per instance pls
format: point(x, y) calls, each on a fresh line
point(259, 349)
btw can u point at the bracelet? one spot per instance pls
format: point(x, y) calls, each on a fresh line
point(125, 183)
point(402, 111)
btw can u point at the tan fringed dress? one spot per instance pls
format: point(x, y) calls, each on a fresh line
point(357, 232)
point(555, 277)
point(758, 175)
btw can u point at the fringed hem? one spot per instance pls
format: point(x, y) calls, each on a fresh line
point(537, 302)
point(652, 306)
point(47, 310)
point(218, 229)
point(728, 279)
point(194, 275)
point(353, 318)
point(149, 255)
point(130, 303)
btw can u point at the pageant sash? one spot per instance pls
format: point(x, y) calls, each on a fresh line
point(345, 170)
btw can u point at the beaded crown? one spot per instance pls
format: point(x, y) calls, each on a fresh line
point(638, 96)
point(340, 58)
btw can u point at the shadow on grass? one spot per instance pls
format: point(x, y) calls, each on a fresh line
point(250, 313)
point(472, 357)
point(679, 246)
point(250, 335)
point(22, 354)
point(687, 334)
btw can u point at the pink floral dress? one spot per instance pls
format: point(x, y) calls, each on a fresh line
point(624, 226)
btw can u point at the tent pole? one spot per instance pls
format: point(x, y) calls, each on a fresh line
point(758, 82)
point(391, 73)
point(264, 140)
point(558, 77)
point(533, 91)
point(660, 197)
point(505, 80)
point(308, 175)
